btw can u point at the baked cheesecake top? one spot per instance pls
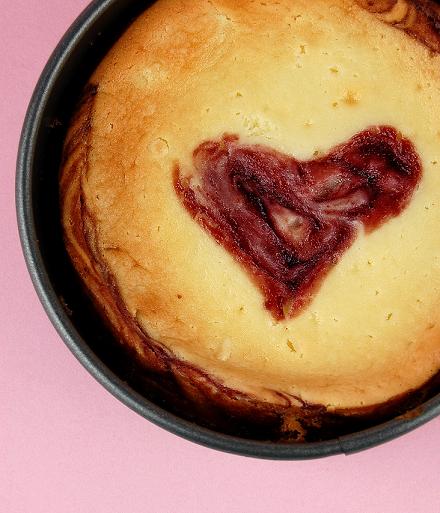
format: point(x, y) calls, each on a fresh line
point(263, 180)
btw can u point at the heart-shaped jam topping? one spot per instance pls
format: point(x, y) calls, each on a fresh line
point(288, 221)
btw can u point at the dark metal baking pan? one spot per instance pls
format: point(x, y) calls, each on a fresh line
point(55, 281)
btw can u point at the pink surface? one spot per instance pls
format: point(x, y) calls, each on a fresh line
point(68, 446)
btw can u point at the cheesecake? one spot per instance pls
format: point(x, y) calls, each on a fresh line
point(250, 193)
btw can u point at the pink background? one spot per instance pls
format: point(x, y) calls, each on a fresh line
point(66, 445)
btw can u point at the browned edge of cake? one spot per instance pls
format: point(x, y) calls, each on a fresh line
point(420, 19)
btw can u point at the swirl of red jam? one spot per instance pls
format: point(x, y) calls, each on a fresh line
point(289, 221)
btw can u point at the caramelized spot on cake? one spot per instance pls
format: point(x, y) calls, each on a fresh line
point(418, 18)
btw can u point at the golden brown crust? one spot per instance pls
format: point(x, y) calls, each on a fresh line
point(188, 387)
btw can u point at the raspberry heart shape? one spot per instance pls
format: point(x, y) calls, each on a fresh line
point(289, 221)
